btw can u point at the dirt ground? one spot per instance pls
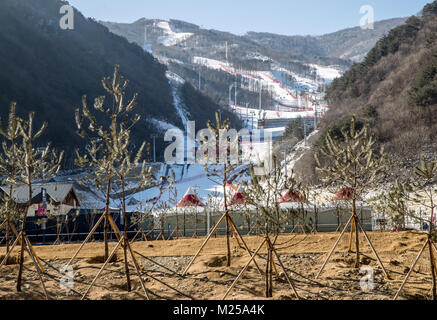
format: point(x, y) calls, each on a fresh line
point(163, 263)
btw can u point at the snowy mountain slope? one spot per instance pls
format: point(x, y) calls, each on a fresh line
point(171, 38)
point(271, 81)
point(186, 49)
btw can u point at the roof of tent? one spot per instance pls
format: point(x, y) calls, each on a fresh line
point(190, 199)
point(237, 199)
point(292, 196)
point(343, 195)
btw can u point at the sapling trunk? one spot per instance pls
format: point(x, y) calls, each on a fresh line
point(20, 270)
point(106, 225)
point(8, 220)
point(126, 240)
point(431, 255)
point(270, 289)
point(195, 225)
point(23, 228)
point(228, 245)
point(267, 280)
point(7, 235)
point(225, 199)
point(433, 270)
point(184, 225)
point(357, 239)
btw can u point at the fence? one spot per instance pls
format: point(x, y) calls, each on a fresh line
point(74, 227)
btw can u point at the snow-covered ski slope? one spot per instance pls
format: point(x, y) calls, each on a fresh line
point(272, 80)
point(170, 37)
point(174, 81)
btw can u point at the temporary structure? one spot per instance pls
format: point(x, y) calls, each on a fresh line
point(344, 194)
point(294, 200)
point(190, 199)
point(191, 204)
point(291, 196)
point(237, 199)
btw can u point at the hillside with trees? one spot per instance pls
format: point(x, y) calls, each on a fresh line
point(47, 69)
point(394, 90)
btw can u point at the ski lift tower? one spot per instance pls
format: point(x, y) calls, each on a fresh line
point(234, 85)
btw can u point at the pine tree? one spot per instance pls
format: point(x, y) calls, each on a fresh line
point(394, 203)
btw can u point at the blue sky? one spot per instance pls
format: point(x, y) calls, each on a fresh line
point(290, 17)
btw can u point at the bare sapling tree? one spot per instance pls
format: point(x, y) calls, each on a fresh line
point(156, 208)
point(222, 166)
point(172, 202)
point(265, 193)
point(125, 167)
point(213, 205)
point(394, 204)
point(220, 152)
point(35, 164)
point(100, 156)
point(421, 191)
point(160, 209)
point(352, 162)
point(313, 197)
point(109, 156)
point(9, 169)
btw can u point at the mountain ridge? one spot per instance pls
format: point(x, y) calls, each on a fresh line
point(394, 90)
point(47, 70)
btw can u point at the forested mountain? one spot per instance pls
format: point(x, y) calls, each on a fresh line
point(394, 90)
point(179, 44)
point(47, 69)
